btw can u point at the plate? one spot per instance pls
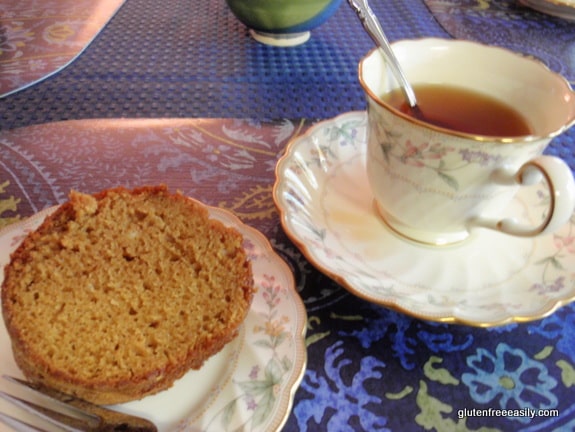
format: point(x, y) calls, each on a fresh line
point(560, 8)
point(326, 208)
point(250, 384)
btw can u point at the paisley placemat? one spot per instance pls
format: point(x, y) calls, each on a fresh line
point(508, 23)
point(39, 38)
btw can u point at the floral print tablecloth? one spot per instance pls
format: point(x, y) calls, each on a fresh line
point(39, 38)
point(369, 368)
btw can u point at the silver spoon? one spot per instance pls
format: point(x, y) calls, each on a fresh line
point(371, 24)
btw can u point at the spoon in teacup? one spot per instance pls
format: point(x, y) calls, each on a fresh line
point(373, 27)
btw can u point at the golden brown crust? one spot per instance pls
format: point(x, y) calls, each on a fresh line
point(118, 294)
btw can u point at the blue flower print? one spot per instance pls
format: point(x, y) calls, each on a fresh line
point(553, 328)
point(406, 335)
point(327, 390)
point(518, 381)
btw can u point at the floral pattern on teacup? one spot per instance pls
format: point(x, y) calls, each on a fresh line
point(412, 146)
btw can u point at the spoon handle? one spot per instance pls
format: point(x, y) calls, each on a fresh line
point(371, 24)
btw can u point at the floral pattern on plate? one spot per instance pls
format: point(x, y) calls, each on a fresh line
point(491, 279)
point(251, 383)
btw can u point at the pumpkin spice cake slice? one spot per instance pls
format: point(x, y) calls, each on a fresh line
point(118, 294)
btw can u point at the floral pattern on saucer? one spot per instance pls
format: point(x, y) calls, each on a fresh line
point(491, 279)
point(251, 383)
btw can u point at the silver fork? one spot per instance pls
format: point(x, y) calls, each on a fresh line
point(68, 412)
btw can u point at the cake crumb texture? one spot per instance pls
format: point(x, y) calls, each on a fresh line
point(118, 294)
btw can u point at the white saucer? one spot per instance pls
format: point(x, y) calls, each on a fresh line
point(560, 8)
point(249, 385)
point(491, 279)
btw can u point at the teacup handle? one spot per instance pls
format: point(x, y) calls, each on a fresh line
point(559, 179)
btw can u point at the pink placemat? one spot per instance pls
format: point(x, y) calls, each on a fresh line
point(227, 163)
point(39, 38)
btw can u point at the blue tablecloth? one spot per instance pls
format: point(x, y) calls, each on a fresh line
point(194, 59)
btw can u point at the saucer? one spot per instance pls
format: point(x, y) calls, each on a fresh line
point(560, 8)
point(327, 209)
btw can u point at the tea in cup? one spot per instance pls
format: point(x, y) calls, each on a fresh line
point(488, 115)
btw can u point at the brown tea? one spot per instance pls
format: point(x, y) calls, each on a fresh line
point(462, 110)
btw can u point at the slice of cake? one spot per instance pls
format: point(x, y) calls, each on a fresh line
point(116, 295)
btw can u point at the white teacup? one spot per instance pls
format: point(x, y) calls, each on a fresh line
point(435, 185)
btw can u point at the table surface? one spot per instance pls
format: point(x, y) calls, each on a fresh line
point(369, 367)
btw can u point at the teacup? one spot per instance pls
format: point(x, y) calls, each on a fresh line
point(435, 185)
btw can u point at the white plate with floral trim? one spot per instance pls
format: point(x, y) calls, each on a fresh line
point(326, 208)
point(251, 383)
point(560, 8)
